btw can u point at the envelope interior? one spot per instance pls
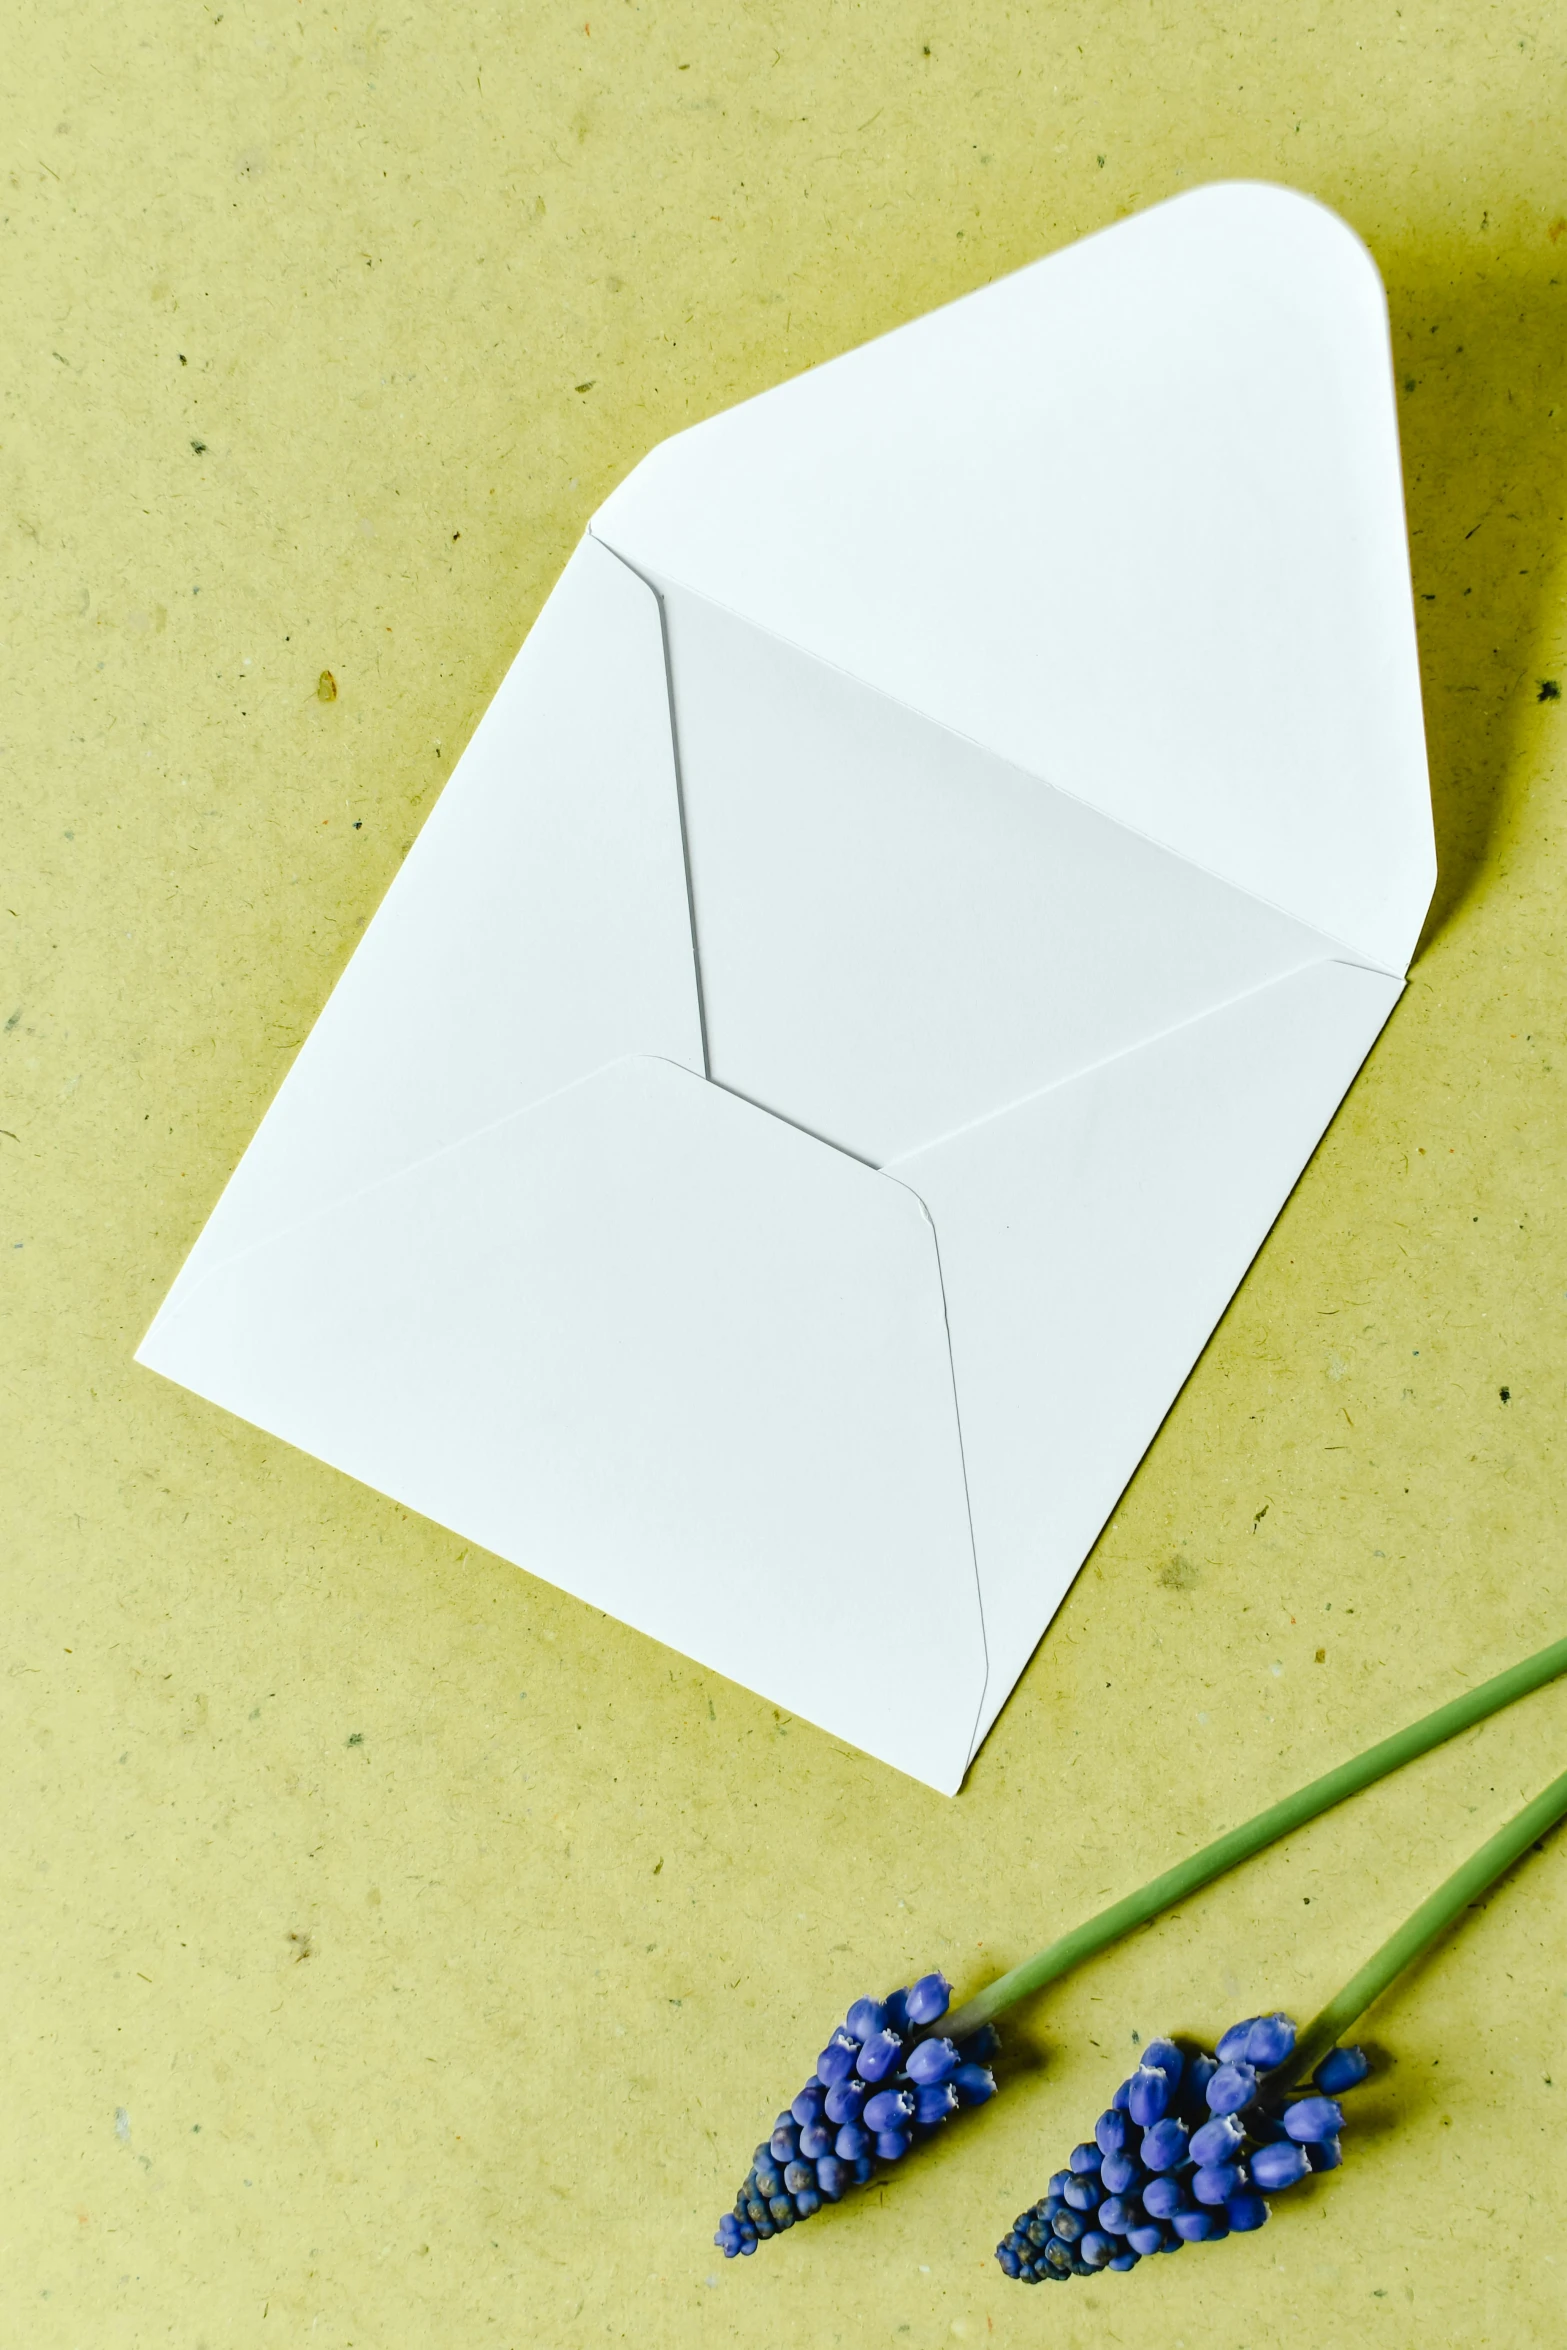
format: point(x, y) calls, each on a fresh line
point(899, 933)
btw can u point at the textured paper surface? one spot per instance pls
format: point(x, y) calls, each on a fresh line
point(398, 1950)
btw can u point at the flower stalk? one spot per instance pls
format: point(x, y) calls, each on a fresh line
point(1254, 1836)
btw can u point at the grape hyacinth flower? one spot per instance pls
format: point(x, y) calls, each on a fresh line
point(1191, 2145)
point(1181, 2157)
point(884, 2083)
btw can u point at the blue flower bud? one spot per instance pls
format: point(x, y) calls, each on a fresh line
point(929, 1998)
point(1122, 2097)
point(1341, 2069)
point(1165, 2144)
point(845, 2098)
point(974, 2083)
point(1201, 2227)
point(932, 2060)
point(1058, 2258)
point(1082, 2192)
point(1232, 2086)
point(1120, 2172)
point(1312, 2118)
point(1060, 2180)
point(1233, 2045)
point(1115, 2215)
point(866, 2018)
point(1148, 2095)
point(979, 2047)
point(1278, 2166)
point(897, 2005)
point(1068, 2225)
point(1217, 2182)
point(864, 2168)
point(799, 2174)
point(1145, 2237)
point(816, 2139)
point(769, 2179)
point(889, 2109)
point(933, 2101)
point(785, 2142)
point(1198, 2074)
point(1325, 2154)
point(1127, 2259)
point(892, 2145)
point(1247, 2211)
point(1007, 2260)
point(1083, 2159)
point(1167, 2058)
point(852, 2141)
point(1163, 2198)
point(1270, 2042)
point(806, 2201)
point(1218, 2140)
point(879, 2057)
point(807, 2107)
point(836, 2061)
point(1096, 2249)
point(833, 2176)
point(1111, 2131)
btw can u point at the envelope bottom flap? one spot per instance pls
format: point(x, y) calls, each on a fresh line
point(666, 1351)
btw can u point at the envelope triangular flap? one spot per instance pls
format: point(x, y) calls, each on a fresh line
point(538, 928)
point(667, 1352)
point(1091, 1239)
point(1131, 518)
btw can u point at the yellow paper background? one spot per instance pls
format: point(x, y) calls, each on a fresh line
point(396, 1951)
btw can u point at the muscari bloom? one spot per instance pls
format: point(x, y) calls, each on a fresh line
point(884, 2083)
point(1185, 2153)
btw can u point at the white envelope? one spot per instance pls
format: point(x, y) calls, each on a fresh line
point(873, 978)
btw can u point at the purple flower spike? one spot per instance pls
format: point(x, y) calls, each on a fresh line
point(1148, 2095)
point(1232, 2086)
point(929, 1998)
point(889, 2109)
point(1342, 2069)
point(867, 2017)
point(1313, 2118)
point(1165, 2144)
point(932, 2060)
point(1246, 2211)
point(879, 2057)
point(1277, 2166)
point(1270, 2042)
point(1217, 2182)
point(1217, 2141)
point(974, 2083)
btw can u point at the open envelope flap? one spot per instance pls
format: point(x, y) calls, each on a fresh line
point(667, 1352)
point(1091, 1239)
point(1131, 518)
point(538, 928)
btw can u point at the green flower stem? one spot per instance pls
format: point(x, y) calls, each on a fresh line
point(1430, 1920)
point(1200, 1869)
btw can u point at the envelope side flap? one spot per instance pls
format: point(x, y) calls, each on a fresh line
point(1091, 1240)
point(665, 1351)
point(1133, 518)
point(538, 927)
